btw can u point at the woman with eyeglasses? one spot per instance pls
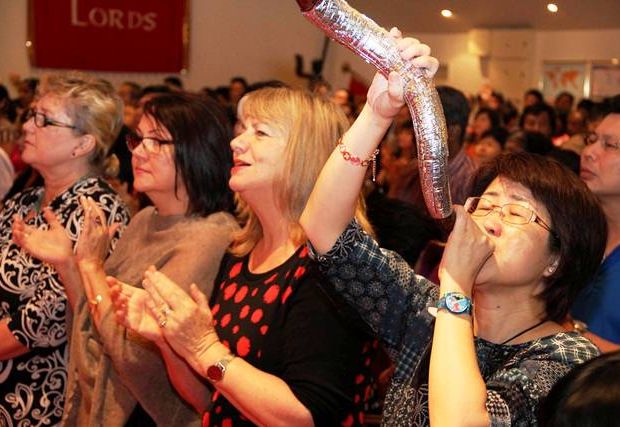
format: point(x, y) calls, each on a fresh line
point(72, 124)
point(272, 347)
point(485, 345)
point(596, 308)
point(181, 161)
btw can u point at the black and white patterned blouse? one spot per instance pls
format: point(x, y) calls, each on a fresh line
point(32, 298)
point(393, 301)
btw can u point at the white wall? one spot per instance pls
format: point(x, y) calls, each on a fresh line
point(259, 38)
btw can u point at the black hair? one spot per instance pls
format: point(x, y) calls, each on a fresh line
point(536, 94)
point(571, 205)
point(493, 115)
point(537, 110)
point(455, 108)
point(498, 134)
point(174, 81)
point(588, 396)
point(202, 154)
point(154, 89)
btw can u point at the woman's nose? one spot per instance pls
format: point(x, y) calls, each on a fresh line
point(492, 223)
point(238, 144)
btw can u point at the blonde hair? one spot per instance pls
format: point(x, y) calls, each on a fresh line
point(92, 105)
point(312, 126)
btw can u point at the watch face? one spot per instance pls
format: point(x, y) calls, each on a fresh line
point(457, 303)
point(214, 373)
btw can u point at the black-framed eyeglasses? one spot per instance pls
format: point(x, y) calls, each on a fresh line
point(609, 142)
point(41, 120)
point(150, 144)
point(510, 213)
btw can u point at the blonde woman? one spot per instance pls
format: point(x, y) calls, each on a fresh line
point(271, 344)
point(70, 128)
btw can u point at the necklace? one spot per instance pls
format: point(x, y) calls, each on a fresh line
point(524, 331)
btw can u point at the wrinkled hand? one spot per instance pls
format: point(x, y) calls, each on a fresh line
point(130, 304)
point(385, 96)
point(52, 245)
point(187, 320)
point(94, 242)
point(467, 249)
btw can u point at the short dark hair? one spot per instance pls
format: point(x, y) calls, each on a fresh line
point(202, 154)
point(588, 396)
point(239, 79)
point(174, 81)
point(493, 115)
point(536, 94)
point(578, 223)
point(498, 134)
point(154, 89)
point(537, 110)
point(455, 108)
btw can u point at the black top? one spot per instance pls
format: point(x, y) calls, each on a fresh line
point(282, 323)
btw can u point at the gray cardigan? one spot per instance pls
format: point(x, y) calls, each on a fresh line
point(110, 369)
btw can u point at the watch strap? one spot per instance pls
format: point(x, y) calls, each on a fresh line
point(455, 303)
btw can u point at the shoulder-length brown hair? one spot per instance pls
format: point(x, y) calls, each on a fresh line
point(312, 127)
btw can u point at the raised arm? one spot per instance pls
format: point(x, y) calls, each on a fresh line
point(331, 205)
point(454, 364)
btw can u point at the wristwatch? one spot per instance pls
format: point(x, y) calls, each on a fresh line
point(216, 371)
point(456, 303)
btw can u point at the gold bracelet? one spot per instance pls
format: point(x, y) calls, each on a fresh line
point(356, 161)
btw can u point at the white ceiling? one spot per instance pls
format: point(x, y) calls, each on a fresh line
point(423, 16)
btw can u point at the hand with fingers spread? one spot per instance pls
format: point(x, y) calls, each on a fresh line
point(185, 320)
point(131, 309)
point(385, 96)
point(52, 245)
point(94, 242)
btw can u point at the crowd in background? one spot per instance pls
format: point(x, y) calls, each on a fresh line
point(480, 128)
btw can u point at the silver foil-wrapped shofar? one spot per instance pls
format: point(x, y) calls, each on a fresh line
point(362, 35)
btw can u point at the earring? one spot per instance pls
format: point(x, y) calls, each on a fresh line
point(550, 270)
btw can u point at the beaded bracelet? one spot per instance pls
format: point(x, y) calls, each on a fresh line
point(356, 161)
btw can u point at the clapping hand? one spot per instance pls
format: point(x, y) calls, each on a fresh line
point(185, 320)
point(94, 242)
point(52, 245)
point(131, 309)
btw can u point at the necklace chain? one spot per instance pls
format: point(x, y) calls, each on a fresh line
point(524, 331)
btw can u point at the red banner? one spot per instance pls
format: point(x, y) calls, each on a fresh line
point(109, 35)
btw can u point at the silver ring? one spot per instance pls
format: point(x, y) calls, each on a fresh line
point(165, 311)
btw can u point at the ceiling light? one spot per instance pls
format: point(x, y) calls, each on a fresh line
point(552, 7)
point(446, 13)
